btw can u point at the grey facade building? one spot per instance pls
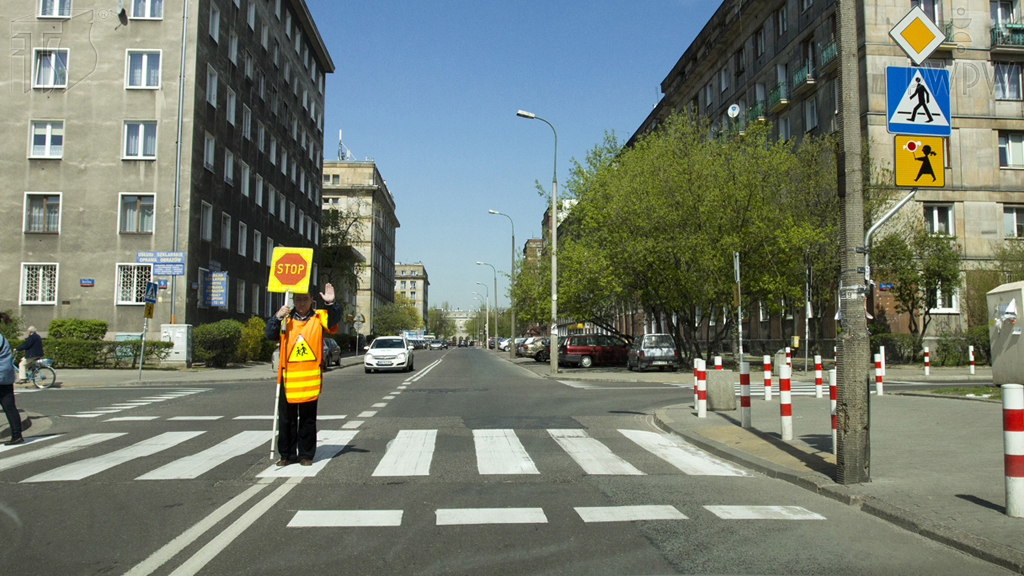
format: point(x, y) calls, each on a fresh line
point(411, 281)
point(93, 108)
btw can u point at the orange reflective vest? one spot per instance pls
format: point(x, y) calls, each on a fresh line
point(302, 346)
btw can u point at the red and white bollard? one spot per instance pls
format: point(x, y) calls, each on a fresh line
point(832, 401)
point(927, 362)
point(695, 383)
point(835, 355)
point(970, 353)
point(881, 352)
point(767, 377)
point(1013, 448)
point(817, 376)
point(745, 394)
point(785, 403)
point(878, 374)
point(789, 358)
point(718, 362)
point(702, 390)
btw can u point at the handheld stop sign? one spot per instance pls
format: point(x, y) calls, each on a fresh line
point(290, 270)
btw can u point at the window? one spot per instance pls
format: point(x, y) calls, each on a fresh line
point(59, 8)
point(273, 150)
point(282, 208)
point(291, 213)
point(233, 48)
point(206, 222)
point(256, 299)
point(147, 8)
point(302, 222)
point(202, 295)
point(265, 35)
point(47, 139)
point(38, 283)
point(243, 169)
point(781, 21)
point(759, 42)
point(142, 69)
point(1011, 149)
point(211, 86)
point(271, 200)
point(261, 85)
point(51, 69)
point(257, 246)
point(230, 107)
point(208, 150)
point(248, 64)
point(938, 219)
point(131, 283)
point(214, 22)
point(246, 122)
point(270, 250)
point(139, 140)
point(1013, 221)
point(240, 296)
point(808, 3)
point(709, 92)
point(928, 6)
point(243, 238)
point(810, 114)
point(412, 284)
point(277, 9)
point(259, 192)
point(42, 213)
point(288, 24)
point(723, 79)
point(250, 15)
point(229, 167)
point(1007, 82)
point(412, 295)
point(261, 135)
point(136, 214)
point(944, 301)
point(784, 128)
point(403, 284)
point(225, 231)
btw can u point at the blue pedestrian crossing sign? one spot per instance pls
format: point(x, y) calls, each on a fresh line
point(150, 293)
point(917, 101)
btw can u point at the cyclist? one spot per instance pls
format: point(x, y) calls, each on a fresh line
point(33, 349)
point(7, 392)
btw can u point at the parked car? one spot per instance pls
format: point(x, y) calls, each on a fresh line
point(331, 357)
point(436, 344)
point(544, 353)
point(388, 353)
point(531, 346)
point(653, 350)
point(585, 350)
point(503, 343)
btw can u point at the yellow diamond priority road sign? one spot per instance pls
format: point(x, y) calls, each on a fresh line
point(920, 161)
point(917, 35)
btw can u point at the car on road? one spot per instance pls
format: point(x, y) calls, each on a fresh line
point(462, 344)
point(388, 353)
point(586, 350)
point(653, 351)
point(436, 344)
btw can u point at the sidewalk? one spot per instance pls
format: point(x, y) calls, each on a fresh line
point(936, 463)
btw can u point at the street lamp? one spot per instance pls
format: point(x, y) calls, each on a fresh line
point(554, 242)
point(487, 314)
point(512, 280)
point(495, 301)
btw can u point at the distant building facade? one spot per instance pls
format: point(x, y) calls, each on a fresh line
point(411, 281)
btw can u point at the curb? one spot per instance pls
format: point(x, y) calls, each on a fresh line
point(821, 484)
point(946, 396)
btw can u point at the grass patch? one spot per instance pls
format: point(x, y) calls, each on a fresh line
point(991, 392)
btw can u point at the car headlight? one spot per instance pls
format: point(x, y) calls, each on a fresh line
point(368, 358)
point(400, 358)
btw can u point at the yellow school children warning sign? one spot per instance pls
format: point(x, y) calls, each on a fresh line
point(920, 161)
point(290, 269)
point(302, 352)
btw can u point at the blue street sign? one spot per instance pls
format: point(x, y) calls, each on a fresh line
point(217, 293)
point(160, 258)
point(86, 282)
point(161, 284)
point(917, 101)
point(150, 293)
point(168, 269)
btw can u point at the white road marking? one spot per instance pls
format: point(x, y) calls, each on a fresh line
point(192, 466)
point(763, 513)
point(29, 440)
point(131, 419)
point(500, 452)
point(462, 516)
point(335, 417)
point(91, 466)
point(367, 414)
point(401, 387)
point(351, 425)
point(682, 455)
point(388, 398)
point(345, 518)
point(58, 449)
point(628, 513)
point(396, 392)
point(575, 384)
point(379, 405)
point(268, 417)
point(329, 444)
point(593, 456)
point(82, 415)
point(409, 454)
point(194, 418)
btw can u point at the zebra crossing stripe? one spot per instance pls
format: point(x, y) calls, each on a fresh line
point(194, 418)
point(410, 454)
point(684, 456)
point(58, 449)
point(192, 466)
point(593, 456)
point(628, 513)
point(367, 414)
point(345, 518)
point(501, 452)
point(352, 424)
point(462, 516)
point(91, 466)
point(131, 419)
point(329, 444)
point(763, 513)
point(28, 440)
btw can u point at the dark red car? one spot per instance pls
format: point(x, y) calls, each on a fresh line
point(585, 350)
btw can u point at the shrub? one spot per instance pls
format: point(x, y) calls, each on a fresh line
point(217, 344)
point(977, 336)
point(75, 352)
point(899, 348)
point(253, 345)
point(77, 328)
point(126, 352)
point(951, 349)
point(10, 325)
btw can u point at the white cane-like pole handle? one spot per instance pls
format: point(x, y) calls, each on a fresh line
point(280, 371)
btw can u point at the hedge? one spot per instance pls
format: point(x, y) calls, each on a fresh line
point(77, 353)
point(216, 344)
point(77, 329)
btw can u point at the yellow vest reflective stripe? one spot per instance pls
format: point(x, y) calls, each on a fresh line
point(302, 379)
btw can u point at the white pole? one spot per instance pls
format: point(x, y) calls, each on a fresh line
point(927, 362)
point(817, 376)
point(277, 386)
point(878, 374)
point(970, 350)
point(786, 402)
point(881, 352)
point(1013, 448)
point(142, 349)
point(767, 377)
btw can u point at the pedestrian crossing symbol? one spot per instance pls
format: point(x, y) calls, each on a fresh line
point(917, 101)
point(302, 352)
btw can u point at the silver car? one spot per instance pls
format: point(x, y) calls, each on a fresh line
point(653, 351)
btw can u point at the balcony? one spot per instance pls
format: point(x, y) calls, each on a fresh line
point(757, 111)
point(829, 57)
point(778, 98)
point(803, 79)
point(1008, 38)
point(950, 43)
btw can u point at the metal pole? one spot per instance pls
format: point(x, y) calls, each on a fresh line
point(142, 349)
point(177, 162)
point(739, 303)
point(807, 316)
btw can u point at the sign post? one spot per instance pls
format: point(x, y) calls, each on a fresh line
point(150, 298)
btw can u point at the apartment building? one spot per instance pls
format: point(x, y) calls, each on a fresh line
point(358, 189)
point(95, 102)
point(411, 281)
point(777, 60)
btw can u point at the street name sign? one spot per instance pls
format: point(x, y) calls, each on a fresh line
point(290, 269)
point(920, 161)
point(917, 101)
point(917, 35)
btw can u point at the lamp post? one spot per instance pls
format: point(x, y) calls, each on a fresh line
point(487, 314)
point(495, 301)
point(512, 280)
point(554, 244)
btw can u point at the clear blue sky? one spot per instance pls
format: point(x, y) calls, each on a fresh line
point(429, 90)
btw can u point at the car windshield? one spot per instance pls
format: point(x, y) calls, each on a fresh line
point(659, 341)
point(435, 341)
point(387, 343)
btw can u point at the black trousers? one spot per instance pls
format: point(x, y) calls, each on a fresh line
point(296, 429)
point(7, 401)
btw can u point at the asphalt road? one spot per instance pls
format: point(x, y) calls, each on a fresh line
point(469, 465)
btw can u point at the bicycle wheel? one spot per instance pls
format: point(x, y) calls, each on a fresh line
point(44, 377)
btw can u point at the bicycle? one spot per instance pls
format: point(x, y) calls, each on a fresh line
point(41, 374)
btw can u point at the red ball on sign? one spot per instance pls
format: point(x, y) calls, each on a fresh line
point(912, 146)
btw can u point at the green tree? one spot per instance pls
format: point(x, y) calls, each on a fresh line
point(440, 323)
point(340, 262)
point(394, 318)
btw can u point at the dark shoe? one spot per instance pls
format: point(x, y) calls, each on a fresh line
point(285, 462)
point(15, 441)
point(305, 462)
